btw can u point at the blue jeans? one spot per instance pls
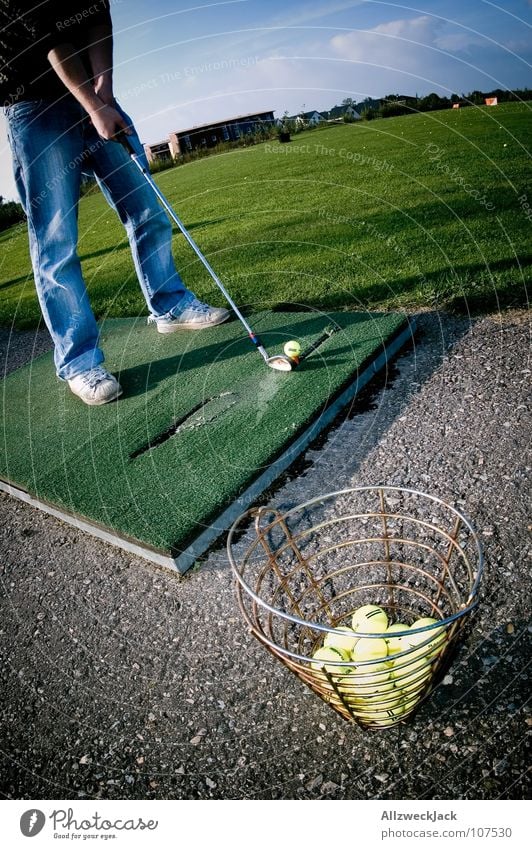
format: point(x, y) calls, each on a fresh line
point(52, 144)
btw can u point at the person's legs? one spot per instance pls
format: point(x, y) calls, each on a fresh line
point(172, 306)
point(48, 154)
point(147, 225)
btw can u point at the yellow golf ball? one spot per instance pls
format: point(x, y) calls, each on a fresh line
point(368, 648)
point(329, 658)
point(369, 619)
point(396, 644)
point(341, 638)
point(430, 642)
point(292, 349)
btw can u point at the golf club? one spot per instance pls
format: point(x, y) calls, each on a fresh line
point(279, 362)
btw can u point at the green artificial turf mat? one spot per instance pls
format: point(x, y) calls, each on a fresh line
point(200, 418)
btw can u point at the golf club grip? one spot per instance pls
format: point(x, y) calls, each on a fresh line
point(124, 141)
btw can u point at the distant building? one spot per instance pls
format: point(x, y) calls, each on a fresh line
point(337, 113)
point(402, 99)
point(310, 119)
point(158, 152)
point(209, 135)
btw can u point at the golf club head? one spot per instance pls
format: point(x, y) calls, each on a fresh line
point(280, 363)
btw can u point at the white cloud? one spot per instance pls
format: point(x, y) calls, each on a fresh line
point(423, 54)
point(455, 42)
point(394, 44)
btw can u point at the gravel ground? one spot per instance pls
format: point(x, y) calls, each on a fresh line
point(120, 680)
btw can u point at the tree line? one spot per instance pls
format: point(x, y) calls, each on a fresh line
point(396, 104)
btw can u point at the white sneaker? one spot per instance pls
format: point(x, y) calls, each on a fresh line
point(95, 386)
point(196, 316)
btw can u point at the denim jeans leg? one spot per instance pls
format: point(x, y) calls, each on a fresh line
point(47, 146)
point(147, 225)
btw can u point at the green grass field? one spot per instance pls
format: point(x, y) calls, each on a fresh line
point(414, 212)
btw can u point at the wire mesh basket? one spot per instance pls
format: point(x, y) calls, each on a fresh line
point(362, 593)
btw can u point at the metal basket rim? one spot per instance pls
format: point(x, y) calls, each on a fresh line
point(280, 650)
point(328, 496)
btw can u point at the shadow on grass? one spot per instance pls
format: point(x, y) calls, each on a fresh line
point(24, 278)
point(141, 378)
point(463, 289)
point(450, 206)
point(119, 246)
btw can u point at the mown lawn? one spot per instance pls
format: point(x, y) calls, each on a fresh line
point(420, 211)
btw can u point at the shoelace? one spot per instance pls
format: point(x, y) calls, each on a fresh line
point(193, 306)
point(198, 306)
point(94, 377)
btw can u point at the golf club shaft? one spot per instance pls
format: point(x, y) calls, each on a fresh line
point(327, 333)
point(147, 176)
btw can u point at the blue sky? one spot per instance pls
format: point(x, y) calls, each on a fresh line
point(185, 63)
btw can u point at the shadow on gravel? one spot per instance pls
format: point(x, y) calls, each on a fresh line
point(488, 681)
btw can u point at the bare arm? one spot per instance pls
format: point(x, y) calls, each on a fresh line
point(101, 59)
point(70, 69)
